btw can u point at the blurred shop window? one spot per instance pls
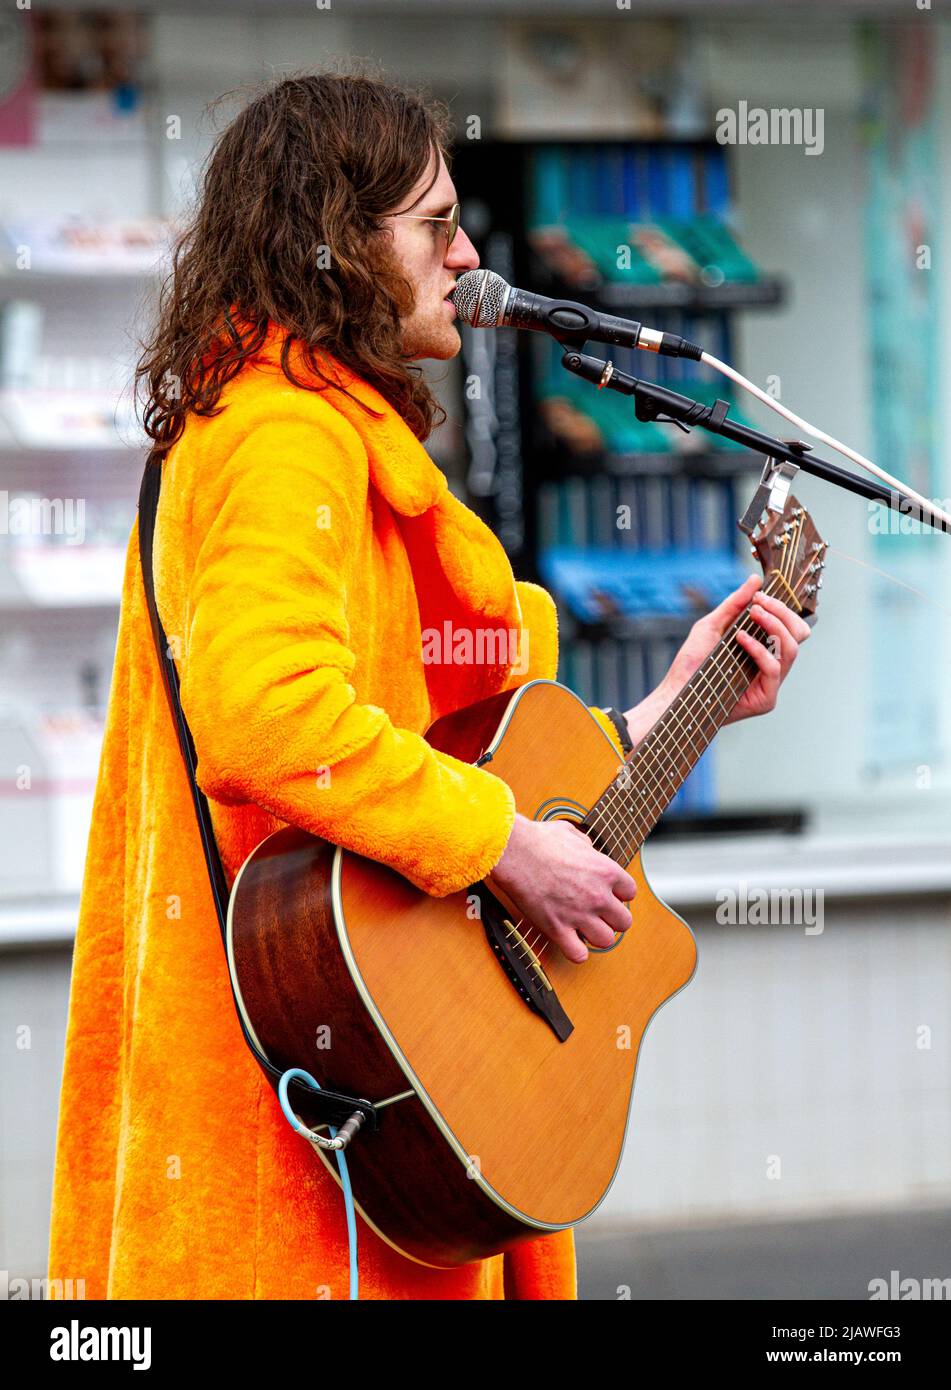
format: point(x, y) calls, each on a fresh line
point(88, 50)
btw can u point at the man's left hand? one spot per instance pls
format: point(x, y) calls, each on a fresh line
point(774, 649)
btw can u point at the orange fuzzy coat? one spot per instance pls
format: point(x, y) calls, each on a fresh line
point(302, 549)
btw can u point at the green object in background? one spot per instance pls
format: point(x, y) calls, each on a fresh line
point(614, 415)
point(624, 433)
point(604, 239)
point(708, 241)
point(712, 255)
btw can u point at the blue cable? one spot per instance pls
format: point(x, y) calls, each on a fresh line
point(294, 1122)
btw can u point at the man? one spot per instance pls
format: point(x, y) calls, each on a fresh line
point(303, 543)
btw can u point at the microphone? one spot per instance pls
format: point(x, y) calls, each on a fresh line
point(483, 299)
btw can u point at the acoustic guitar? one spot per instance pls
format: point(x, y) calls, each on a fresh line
point(503, 1072)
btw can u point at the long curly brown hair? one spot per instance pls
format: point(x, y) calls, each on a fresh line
point(284, 233)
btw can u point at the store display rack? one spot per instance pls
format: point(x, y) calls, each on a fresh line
point(631, 525)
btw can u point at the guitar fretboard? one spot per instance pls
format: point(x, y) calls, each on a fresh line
point(633, 802)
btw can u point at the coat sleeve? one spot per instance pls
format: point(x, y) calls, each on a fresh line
point(540, 617)
point(266, 667)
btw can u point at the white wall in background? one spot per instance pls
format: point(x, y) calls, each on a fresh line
point(801, 1049)
point(802, 215)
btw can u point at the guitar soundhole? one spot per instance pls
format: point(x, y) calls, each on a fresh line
point(576, 813)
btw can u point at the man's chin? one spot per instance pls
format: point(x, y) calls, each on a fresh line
point(436, 346)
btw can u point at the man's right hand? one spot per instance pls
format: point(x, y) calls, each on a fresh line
point(563, 885)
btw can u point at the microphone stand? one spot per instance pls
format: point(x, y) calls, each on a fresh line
point(658, 404)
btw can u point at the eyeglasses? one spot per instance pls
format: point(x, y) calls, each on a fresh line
point(452, 222)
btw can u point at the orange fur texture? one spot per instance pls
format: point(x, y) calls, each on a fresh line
point(302, 550)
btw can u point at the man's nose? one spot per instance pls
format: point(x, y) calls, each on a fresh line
point(462, 255)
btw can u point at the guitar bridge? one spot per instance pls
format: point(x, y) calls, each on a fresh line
point(520, 963)
point(529, 955)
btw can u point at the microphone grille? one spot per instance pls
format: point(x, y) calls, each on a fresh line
point(479, 298)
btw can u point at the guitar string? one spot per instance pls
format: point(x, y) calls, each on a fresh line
point(611, 827)
point(536, 941)
point(674, 726)
point(730, 663)
point(607, 824)
point(608, 827)
point(881, 573)
point(647, 786)
point(724, 663)
point(875, 570)
point(672, 715)
point(902, 584)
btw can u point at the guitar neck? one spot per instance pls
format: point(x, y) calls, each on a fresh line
point(634, 800)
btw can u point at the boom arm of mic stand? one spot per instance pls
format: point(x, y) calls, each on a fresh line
point(657, 403)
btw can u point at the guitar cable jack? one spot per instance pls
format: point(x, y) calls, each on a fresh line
point(338, 1141)
point(343, 1135)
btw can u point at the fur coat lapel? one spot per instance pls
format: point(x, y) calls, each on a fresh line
point(461, 571)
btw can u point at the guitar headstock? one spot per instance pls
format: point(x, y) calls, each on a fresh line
point(792, 554)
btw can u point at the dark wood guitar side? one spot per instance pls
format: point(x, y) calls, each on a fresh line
point(505, 1073)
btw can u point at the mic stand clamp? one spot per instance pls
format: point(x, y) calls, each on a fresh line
point(650, 411)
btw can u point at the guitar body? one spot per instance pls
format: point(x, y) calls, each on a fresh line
point(494, 1129)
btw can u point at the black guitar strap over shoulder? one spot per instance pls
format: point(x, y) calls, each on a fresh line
point(331, 1106)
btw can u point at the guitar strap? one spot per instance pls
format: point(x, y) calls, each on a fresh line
point(330, 1106)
